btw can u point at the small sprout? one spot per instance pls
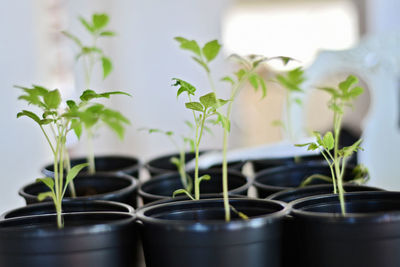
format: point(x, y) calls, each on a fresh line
point(328, 144)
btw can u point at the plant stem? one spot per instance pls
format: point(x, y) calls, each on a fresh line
point(90, 155)
point(339, 175)
point(68, 168)
point(198, 139)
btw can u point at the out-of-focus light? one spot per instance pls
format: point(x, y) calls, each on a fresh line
point(298, 30)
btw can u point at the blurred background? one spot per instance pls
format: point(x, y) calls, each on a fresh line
point(146, 58)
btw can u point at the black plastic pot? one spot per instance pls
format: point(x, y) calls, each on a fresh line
point(263, 164)
point(281, 178)
point(194, 233)
point(163, 165)
point(313, 190)
point(163, 186)
point(98, 239)
point(124, 164)
point(367, 236)
point(100, 186)
point(68, 206)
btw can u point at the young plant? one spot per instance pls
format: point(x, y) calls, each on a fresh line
point(328, 145)
point(92, 54)
point(202, 110)
point(180, 162)
point(247, 73)
point(291, 82)
point(55, 124)
point(87, 115)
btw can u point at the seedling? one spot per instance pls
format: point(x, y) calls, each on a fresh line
point(180, 162)
point(90, 55)
point(341, 97)
point(247, 73)
point(202, 110)
point(291, 82)
point(55, 124)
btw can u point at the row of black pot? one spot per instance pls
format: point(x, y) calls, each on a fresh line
point(307, 232)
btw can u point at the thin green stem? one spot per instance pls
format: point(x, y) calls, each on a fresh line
point(196, 169)
point(47, 138)
point(90, 155)
point(339, 177)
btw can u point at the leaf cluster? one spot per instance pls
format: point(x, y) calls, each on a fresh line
point(201, 55)
point(96, 27)
point(344, 95)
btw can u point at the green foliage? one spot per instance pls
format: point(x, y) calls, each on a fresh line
point(203, 55)
point(59, 122)
point(92, 53)
point(328, 144)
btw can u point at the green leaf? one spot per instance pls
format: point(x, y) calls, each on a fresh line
point(29, 114)
point(176, 162)
point(86, 24)
point(43, 196)
point(208, 100)
point(107, 66)
point(263, 86)
point(76, 125)
point(107, 33)
point(182, 191)
point(328, 141)
point(49, 182)
point(190, 45)
point(205, 177)
point(253, 79)
point(73, 172)
point(189, 124)
point(72, 37)
point(349, 150)
point(224, 121)
point(115, 121)
point(240, 74)
point(346, 84)
point(228, 79)
point(100, 20)
point(355, 92)
point(194, 106)
point(52, 99)
point(183, 87)
point(211, 50)
point(202, 63)
point(46, 121)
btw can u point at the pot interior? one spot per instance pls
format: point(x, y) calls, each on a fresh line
point(105, 163)
point(168, 184)
point(211, 210)
point(363, 202)
point(87, 185)
point(294, 175)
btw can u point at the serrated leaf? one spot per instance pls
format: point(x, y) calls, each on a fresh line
point(208, 100)
point(52, 99)
point(211, 50)
point(190, 45)
point(100, 20)
point(107, 66)
point(29, 114)
point(224, 121)
point(349, 150)
point(328, 141)
point(183, 87)
point(194, 106)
